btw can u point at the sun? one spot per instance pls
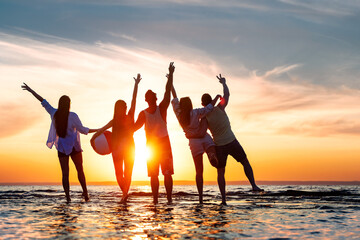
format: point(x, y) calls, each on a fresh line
point(142, 154)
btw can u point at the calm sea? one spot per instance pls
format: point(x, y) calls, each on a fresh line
point(282, 212)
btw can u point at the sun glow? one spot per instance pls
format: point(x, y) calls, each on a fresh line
point(142, 154)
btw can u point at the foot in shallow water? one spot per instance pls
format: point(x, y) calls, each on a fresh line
point(257, 189)
point(86, 197)
point(124, 199)
point(68, 199)
point(223, 203)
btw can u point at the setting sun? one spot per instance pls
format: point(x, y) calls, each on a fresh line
point(142, 152)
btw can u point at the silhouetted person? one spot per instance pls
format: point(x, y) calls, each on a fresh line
point(122, 141)
point(225, 140)
point(157, 139)
point(64, 133)
point(195, 130)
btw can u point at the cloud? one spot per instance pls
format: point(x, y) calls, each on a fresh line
point(294, 107)
point(332, 8)
point(323, 127)
point(98, 74)
point(15, 118)
point(280, 70)
point(123, 36)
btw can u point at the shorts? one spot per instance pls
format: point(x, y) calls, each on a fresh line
point(160, 156)
point(200, 145)
point(74, 152)
point(234, 149)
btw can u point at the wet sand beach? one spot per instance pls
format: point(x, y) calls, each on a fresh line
point(282, 212)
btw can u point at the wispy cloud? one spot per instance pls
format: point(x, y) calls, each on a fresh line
point(123, 36)
point(295, 107)
point(15, 118)
point(323, 127)
point(98, 74)
point(333, 7)
point(279, 70)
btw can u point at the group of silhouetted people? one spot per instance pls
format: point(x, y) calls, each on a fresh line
point(66, 127)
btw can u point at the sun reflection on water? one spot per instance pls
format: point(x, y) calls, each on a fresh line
point(32, 215)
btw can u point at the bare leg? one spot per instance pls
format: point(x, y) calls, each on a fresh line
point(128, 168)
point(198, 160)
point(211, 153)
point(155, 188)
point(250, 175)
point(78, 161)
point(64, 163)
point(118, 165)
point(222, 184)
point(168, 181)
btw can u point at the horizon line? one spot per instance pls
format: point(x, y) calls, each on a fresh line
point(191, 182)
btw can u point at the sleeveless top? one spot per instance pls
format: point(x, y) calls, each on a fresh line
point(155, 126)
point(219, 125)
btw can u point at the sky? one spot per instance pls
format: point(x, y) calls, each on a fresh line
point(292, 67)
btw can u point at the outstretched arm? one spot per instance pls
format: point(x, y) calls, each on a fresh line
point(224, 101)
point(27, 88)
point(99, 131)
point(139, 122)
point(133, 101)
point(166, 101)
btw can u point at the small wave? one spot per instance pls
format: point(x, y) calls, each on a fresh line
point(46, 190)
point(312, 193)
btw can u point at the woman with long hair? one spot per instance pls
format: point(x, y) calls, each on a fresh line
point(64, 133)
point(195, 127)
point(122, 141)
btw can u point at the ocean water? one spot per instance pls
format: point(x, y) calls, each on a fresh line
point(281, 212)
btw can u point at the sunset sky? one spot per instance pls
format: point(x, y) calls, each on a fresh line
point(292, 66)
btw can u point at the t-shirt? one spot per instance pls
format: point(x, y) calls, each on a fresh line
point(219, 126)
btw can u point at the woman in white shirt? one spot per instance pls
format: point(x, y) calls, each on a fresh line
point(64, 134)
point(195, 130)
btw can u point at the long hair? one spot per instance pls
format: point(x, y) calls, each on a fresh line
point(185, 109)
point(119, 118)
point(62, 115)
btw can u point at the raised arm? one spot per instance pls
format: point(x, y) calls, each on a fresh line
point(133, 101)
point(166, 101)
point(225, 99)
point(27, 88)
point(173, 91)
point(213, 102)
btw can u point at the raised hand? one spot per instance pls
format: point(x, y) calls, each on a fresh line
point(26, 87)
point(222, 80)
point(138, 78)
point(171, 67)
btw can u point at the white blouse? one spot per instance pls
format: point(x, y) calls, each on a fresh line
point(72, 138)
